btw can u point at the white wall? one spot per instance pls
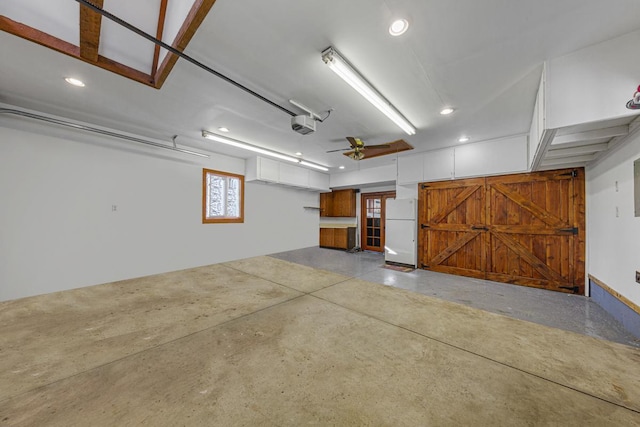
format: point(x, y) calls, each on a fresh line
point(614, 242)
point(594, 83)
point(58, 230)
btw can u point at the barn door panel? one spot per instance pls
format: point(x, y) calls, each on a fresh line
point(452, 215)
point(531, 230)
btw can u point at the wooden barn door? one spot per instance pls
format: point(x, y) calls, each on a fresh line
point(534, 223)
point(452, 220)
point(525, 229)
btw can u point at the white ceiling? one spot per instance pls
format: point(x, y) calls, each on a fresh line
point(483, 57)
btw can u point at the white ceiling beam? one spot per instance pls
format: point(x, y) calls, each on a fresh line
point(592, 134)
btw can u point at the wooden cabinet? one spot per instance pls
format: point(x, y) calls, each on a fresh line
point(338, 238)
point(338, 203)
point(324, 204)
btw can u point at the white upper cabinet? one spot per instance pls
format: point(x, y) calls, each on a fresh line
point(262, 169)
point(430, 166)
point(318, 181)
point(493, 157)
point(273, 171)
point(438, 165)
point(410, 169)
point(293, 175)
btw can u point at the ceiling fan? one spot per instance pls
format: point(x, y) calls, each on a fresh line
point(358, 147)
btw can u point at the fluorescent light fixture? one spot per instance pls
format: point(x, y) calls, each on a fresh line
point(398, 27)
point(343, 69)
point(260, 150)
point(313, 165)
point(244, 145)
point(463, 139)
point(74, 82)
point(446, 111)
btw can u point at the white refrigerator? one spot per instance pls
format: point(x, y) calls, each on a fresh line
point(401, 231)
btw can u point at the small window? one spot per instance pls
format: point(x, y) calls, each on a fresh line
point(222, 197)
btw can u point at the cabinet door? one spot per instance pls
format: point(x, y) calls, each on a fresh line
point(318, 181)
point(268, 170)
point(410, 169)
point(326, 204)
point(326, 237)
point(294, 176)
point(438, 165)
point(340, 239)
point(344, 203)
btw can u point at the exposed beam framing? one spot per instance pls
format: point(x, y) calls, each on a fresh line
point(579, 144)
point(562, 161)
point(576, 151)
point(546, 137)
point(90, 23)
point(47, 40)
point(159, 32)
point(195, 17)
point(592, 135)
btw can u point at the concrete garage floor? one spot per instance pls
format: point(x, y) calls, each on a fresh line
point(264, 341)
point(570, 312)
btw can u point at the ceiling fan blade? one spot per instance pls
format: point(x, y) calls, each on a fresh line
point(341, 149)
point(377, 146)
point(353, 141)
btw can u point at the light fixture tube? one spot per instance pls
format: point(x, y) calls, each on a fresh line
point(245, 146)
point(313, 165)
point(342, 68)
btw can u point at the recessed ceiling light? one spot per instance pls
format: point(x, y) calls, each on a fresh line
point(446, 111)
point(74, 82)
point(341, 167)
point(463, 139)
point(298, 154)
point(398, 27)
point(223, 129)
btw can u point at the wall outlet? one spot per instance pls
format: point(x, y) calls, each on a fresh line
point(638, 276)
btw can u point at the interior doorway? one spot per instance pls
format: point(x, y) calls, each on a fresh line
point(372, 212)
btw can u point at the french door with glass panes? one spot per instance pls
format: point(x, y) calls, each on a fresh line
point(372, 210)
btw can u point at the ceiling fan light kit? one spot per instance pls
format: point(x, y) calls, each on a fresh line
point(343, 69)
point(357, 155)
